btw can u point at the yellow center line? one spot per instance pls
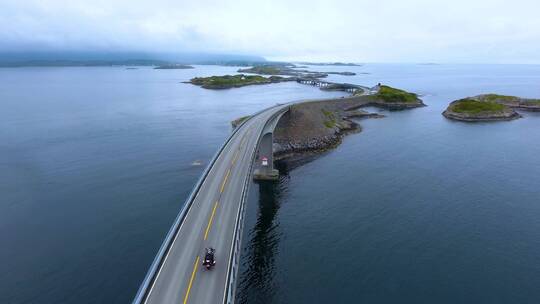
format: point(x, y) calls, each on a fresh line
point(210, 221)
point(225, 180)
point(235, 157)
point(191, 280)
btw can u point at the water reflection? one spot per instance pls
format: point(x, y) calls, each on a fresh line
point(257, 283)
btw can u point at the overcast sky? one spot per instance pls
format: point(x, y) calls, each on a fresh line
point(483, 31)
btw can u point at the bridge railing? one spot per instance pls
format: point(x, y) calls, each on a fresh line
point(150, 277)
point(236, 248)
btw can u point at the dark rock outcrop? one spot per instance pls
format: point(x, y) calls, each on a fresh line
point(316, 126)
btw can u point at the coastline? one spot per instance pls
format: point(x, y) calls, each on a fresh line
point(312, 127)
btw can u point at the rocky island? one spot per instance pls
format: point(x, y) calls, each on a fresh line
point(394, 99)
point(235, 81)
point(479, 108)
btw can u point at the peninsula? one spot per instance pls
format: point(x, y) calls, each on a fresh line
point(309, 128)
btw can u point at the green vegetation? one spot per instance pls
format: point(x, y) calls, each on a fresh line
point(472, 106)
point(498, 98)
point(532, 102)
point(265, 70)
point(392, 95)
point(331, 122)
point(235, 123)
point(229, 81)
point(509, 100)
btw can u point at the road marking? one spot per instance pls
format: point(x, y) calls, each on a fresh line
point(225, 181)
point(210, 221)
point(189, 211)
point(191, 280)
point(235, 156)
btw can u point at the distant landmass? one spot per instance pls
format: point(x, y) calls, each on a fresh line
point(62, 59)
point(331, 63)
point(173, 67)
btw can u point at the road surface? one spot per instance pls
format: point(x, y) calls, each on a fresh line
point(210, 222)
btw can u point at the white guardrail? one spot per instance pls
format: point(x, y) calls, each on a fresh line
point(236, 249)
point(151, 275)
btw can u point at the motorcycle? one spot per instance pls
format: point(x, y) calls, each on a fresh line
point(209, 260)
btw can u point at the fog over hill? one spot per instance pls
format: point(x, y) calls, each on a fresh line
point(75, 58)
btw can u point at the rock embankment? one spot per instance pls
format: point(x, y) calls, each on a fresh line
point(478, 109)
point(316, 126)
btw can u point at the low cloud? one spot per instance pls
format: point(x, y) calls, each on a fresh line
point(362, 31)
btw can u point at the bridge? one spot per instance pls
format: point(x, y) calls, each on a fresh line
point(333, 86)
point(213, 217)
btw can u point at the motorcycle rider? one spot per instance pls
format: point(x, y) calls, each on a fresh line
point(209, 260)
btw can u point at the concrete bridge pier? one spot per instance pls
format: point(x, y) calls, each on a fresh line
point(264, 162)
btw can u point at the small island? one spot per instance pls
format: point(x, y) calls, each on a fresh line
point(394, 99)
point(235, 81)
point(173, 67)
point(479, 108)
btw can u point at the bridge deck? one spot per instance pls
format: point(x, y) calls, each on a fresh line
point(210, 222)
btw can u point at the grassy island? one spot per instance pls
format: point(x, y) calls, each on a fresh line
point(481, 108)
point(392, 98)
point(473, 106)
point(490, 107)
point(234, 81)
point(393, 95)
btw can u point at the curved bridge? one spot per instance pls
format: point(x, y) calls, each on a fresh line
point(213, 217)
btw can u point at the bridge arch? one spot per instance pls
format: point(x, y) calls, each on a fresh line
point(264, 157)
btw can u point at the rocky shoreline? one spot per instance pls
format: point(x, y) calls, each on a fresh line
point(503, 116)
point(312, 127)
point(317, 126)
point(515, 102)
point(489, 107)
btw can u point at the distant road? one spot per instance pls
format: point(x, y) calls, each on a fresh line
point(210, 222)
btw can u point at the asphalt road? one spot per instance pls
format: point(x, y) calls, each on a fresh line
point(210, 222)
